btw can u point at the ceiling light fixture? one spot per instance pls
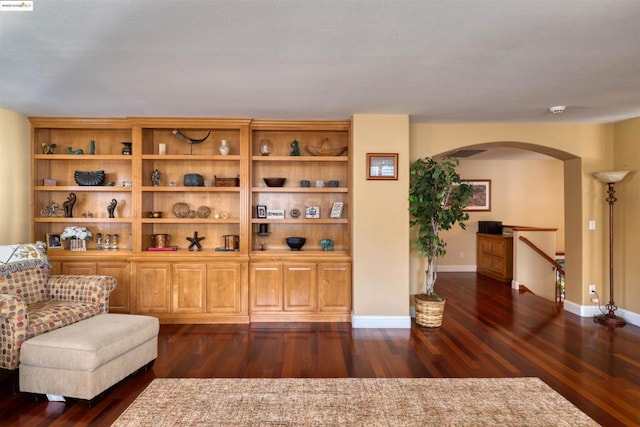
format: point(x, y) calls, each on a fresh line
point(558, 109)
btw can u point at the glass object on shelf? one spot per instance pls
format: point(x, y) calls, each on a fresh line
point(265, 147)
point(114, 242)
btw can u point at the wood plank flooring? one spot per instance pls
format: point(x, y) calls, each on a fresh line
point(489, 330)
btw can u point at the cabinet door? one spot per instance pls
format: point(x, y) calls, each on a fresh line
point(153, 288)
point(81, 268)
point(266, 287)
point(224, 288)
point(334, 287)
point(119, 298)
point(300, 290)
point(188, 288)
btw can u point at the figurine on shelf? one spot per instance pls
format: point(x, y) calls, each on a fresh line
point(155, 178)
point(68, 205)
point(107, 242)
point(114, 242)
point(71, 151)
point(295, 148)
point(48, 148)
point(92, 147)
point(112, 207)
point(195, 242)
point(99, 241)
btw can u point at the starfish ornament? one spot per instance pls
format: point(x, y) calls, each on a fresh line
point(195, 242)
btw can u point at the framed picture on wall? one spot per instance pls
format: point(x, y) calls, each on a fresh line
point(481, 197)
point(382, 166)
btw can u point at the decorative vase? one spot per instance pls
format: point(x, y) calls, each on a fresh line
point(224, 147)
point(78, 245)
point(265, 147)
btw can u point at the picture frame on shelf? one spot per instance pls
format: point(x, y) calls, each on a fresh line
point(312, 212)
point(275, 213)
point(481, 198)
point(382, 166)
point(261, 211)
point(54, 241)
point(336, 210)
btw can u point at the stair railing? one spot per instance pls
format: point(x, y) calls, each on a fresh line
point(559, 285)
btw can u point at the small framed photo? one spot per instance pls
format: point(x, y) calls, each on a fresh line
point(382, 166)
point(312, 212)
point(261, 211)
point(481, 198)
point(275, 213)
point(54, 241)
point(336, 210)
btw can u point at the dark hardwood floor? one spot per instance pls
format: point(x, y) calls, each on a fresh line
point(488, 331)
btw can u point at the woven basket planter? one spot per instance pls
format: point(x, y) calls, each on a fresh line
point(428, 312)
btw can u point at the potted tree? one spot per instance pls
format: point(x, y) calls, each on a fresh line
point(437, 198)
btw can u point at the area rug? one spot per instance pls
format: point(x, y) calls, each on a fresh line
point(351, 402)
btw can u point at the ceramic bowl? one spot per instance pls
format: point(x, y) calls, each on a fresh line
point(274, 182)
point(296, 243)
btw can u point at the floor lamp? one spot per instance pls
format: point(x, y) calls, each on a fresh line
point(610, 178)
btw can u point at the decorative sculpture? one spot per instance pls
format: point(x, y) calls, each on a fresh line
point(48, 148)
point(295, 149)
point(195, 242)
point(68, 205)
point(188, 140)
point(112, 207)
point(70, 150)
point(155, 177)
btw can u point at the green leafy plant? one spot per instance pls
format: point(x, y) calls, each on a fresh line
point(437, 198)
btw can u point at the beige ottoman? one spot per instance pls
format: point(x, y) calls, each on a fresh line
point(84, 359)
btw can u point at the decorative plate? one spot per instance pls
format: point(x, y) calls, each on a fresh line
point(89, 178)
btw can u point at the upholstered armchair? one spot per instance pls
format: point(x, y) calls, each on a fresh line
point(33, 302)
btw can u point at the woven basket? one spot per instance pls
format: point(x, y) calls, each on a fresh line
point(428, 312)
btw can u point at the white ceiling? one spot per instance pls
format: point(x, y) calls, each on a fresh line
point(437, 60)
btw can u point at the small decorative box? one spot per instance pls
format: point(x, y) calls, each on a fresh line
point(49, 182)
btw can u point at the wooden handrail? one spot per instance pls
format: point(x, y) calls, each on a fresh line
point(542, 254)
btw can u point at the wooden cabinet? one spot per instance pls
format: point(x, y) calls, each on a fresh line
point(183, 292)
point(334, 287)
point(495, 256)
point(300, 291)
point(174, 179)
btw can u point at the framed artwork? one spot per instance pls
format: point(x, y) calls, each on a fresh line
point(336, 210)
point(261, 211)
point(481, 198)
point(54, 241)
point(312, 212)
point(382, 166)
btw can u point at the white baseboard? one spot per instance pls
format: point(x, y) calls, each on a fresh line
point(391, 322)
point(592, 310)
point(457, 268)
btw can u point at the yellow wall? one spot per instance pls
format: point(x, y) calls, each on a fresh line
point(380, 219)
point(627, 232)
point(15, 178)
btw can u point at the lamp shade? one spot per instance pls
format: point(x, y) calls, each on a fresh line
point(609, 177)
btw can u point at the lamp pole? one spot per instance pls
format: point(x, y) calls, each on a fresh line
point(610, 178)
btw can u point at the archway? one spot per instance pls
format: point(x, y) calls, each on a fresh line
point(572, 196)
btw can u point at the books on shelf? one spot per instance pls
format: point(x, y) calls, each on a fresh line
point(165, 249)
